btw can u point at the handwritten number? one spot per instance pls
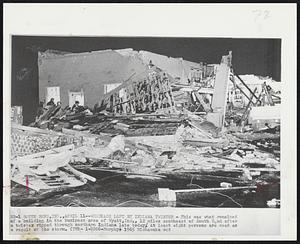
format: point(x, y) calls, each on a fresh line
point(259, 14)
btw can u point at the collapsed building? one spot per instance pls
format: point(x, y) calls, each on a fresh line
point(149, 115)
point(88, 77)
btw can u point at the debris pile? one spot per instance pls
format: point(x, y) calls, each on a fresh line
point(48, 170)
point(153, 127)
point(145, 93)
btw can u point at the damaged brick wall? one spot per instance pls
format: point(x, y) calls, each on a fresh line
point(84, 71)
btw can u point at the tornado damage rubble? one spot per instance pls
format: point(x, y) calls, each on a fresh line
point(177, 134)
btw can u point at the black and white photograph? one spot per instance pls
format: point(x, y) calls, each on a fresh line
point(149, 121)
point(145, 122)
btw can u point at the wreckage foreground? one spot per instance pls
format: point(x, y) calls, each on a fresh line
point(154, 141)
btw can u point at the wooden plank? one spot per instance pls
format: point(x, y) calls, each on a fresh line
point(246, 112)
point(124, 84)
point(205, 140)
point(78, 173)
point(251, 92)
point(215, 189)
point(112, 160)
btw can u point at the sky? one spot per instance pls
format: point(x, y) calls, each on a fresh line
point(250, 56)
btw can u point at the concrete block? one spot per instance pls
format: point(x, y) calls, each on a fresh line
point(167, 195)
point(225, 185)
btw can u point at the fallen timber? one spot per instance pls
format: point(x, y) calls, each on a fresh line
point(215, 189)
point(157, 160)
point(193, 152)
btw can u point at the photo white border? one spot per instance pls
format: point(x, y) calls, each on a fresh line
point(166, 20)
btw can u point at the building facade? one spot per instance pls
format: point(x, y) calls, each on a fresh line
point(85, 77)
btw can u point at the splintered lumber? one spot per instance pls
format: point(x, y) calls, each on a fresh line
point(205, 142)
point(48, 113)
point(71, 117)
point(38, 183)
point(146, 92)
point(48, 170)
point(139, 115)
point(197, 88)
point(134, 126)
point(112, 160)
point(49, 175)
point(156, 131)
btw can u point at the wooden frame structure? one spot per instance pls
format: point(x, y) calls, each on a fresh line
point(144, 93)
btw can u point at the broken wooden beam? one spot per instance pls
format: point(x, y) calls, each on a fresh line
point(215, 189)
point(251, 92)
point(246, 112)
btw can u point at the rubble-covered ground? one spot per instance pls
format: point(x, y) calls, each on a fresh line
point(129, 170)
point(112, 189)
point(151, 133)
